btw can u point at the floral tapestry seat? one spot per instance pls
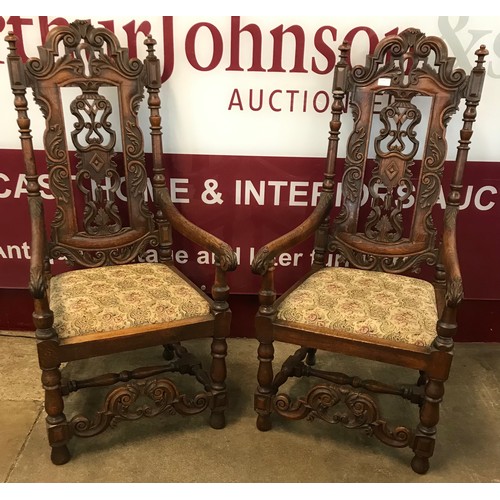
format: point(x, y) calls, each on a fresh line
point(116, 297)
point(364, 303)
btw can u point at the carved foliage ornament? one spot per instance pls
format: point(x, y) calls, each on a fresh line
point(370, 262)
point(80, 55)
point(405, 68)
point(84, 50)
point(360, 412)
point(407, 57)
point(395, 149)
point(97, 258)
point(126, 403)
point(94, 140)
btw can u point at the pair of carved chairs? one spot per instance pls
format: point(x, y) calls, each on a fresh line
point(370, 308)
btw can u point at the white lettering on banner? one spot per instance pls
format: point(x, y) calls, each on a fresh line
point(178, 188)
point(151, 255)
point(210, 195)
point(178, 193)
point(304, 193)
point(15, 251)
point(294, 193)
point(43, 180)
point(175, 190)
point(477, 199)
point(182, 256)
point(248, 193)
point(267, 189)
point(6, 192)
point(20, 252)
point(284, 260)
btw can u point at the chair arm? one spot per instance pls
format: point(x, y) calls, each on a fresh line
point(226, 255)
point(267, 253)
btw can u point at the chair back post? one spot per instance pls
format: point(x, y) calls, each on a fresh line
point(93, 224)
point(338, 92)
point(472, 98)
point(447, 324)
point(39, 262)
point(153, 84)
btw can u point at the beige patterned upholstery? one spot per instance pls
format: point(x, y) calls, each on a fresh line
point(363, 303)
point(111, 298)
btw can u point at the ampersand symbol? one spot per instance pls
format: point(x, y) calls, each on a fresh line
point(210, 196)
point(450, 36)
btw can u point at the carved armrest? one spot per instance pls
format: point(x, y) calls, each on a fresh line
point(226, 255)
point(267, 253)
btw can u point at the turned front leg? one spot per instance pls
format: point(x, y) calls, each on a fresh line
point(263, 396)
point(265, 352)
point(218, 370)
point(57, 426)
point(218, 373)
point(425, 436)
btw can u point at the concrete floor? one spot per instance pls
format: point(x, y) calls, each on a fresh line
point(187, 450)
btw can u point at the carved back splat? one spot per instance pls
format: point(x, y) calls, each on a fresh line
point(91, 60)
point(404, 69)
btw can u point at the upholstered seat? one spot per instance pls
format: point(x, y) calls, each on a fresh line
point(112, 298)
point(377, 304)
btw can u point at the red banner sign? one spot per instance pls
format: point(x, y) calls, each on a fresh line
point(248, 201)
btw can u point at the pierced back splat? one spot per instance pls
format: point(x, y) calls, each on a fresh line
point(91, 59)
point(405, 69)
point(101, 214)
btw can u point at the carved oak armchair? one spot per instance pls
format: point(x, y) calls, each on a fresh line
point(111, 303)
point(401, 101)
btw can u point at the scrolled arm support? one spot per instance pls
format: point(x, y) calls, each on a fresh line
point(447, 323)
point(265, 256)
point(38, 279)
point(454, 288)
point(225, 254)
